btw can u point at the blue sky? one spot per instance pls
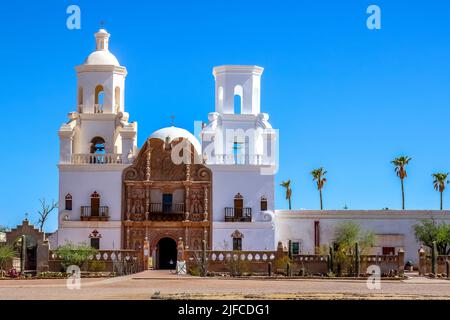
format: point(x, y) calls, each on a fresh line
point(343, 96)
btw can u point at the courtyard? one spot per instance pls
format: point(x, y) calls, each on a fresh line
point(162, 284)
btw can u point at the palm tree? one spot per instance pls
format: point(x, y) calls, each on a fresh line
point(440, 179)
point(400, 164)
point(319, 177)
point(287, 186)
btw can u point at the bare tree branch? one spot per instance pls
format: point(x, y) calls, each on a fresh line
point(45, 211)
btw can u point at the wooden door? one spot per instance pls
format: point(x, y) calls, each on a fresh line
point(238, 206)
point(95, 204)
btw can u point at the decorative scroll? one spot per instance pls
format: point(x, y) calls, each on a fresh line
point(205, 217)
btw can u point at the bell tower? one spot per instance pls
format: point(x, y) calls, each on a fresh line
point(240, 146)
point(101, 80)
point(96, 144)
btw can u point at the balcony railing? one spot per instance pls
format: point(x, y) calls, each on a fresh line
point(238, 214)
point(96, 158)
point(89, 213)
point(166, 208)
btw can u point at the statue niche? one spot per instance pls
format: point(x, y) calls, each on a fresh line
point(138, 201)
point(197, 205)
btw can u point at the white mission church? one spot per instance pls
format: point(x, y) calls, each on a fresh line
point(114, 194)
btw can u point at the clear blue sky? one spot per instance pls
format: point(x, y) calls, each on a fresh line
point(344, 97)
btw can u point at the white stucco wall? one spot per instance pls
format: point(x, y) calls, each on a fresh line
point(256, 235)
point(78, 232)
point(392, 227)
point(248, 181)
point(81, 181)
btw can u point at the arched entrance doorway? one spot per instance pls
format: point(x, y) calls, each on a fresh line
point(167, 253)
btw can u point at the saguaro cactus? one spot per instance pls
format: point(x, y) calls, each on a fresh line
point(357, 260)
point(331, 260)
point(290, 249)
point(203, 259)
point(434, 259)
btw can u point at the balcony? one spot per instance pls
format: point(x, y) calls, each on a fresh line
point(158, 207)
point(238, 214)
point(96, 158)
point(161, 212)
point(89, 213)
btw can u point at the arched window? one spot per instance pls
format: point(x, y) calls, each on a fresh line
point(238, 97)
point(237, 240)
point(99, 96)
point(68, 202)
point(95, 237)
point(95, 204)
point(117, 99)
point(263, 203)
point(98, 145)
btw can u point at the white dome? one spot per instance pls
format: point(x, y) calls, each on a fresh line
point(102, 57)
point(174, 133)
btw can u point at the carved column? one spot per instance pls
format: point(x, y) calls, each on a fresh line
point(187, 202)
point(186, 237)
point(188, 172)
point(147, 201)
point(205, 202)
point(128, 238)
point(128, 209)
point(148, 166)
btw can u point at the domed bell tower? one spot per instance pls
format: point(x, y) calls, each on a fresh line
point(101, 80)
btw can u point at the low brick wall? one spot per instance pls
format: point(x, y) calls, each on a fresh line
point(103, 261)
point(223, 261)
point(258, 262)
point(387, 263)
point(425, 262)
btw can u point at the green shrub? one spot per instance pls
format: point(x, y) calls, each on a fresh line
point(7, 252)
point(97, 266)
point(72, 254)
point(194, 270)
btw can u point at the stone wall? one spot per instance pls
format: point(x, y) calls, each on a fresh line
point(425, 263)
point(103, 261)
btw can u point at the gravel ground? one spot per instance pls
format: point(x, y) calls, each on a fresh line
point(163, 284)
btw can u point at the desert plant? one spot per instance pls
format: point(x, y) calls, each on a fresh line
point(347, 234)
point(194, 270)
point(434, 255)
point(399, 167)
point(428, 231)
point(72, 254)
point(357, 260)
point(287, 186)
point(439, 182)
point(282, 262)
point(7, 252)
point(236, 266)
point(319, 177)
point(97, 266)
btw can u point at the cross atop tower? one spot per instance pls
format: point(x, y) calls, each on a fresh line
point(172, 120)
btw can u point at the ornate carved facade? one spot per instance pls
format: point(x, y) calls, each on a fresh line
point(166, 199)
